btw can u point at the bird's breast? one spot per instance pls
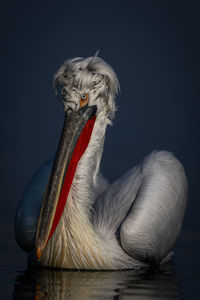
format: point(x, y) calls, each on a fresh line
point(75, 245)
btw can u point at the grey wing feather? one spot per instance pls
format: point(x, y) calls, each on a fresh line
point(112, 206)
point(147, 206)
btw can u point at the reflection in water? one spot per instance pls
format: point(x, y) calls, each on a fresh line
point(52, 284)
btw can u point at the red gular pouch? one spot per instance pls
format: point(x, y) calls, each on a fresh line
point(79, 150)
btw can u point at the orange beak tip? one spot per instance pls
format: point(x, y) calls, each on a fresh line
point(38, 252)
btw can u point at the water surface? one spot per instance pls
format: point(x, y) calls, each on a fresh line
point(179, 280)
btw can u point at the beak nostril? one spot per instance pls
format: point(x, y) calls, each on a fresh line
point(84, 100)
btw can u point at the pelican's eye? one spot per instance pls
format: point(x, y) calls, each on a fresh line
point(84, 97)
point(84, 100)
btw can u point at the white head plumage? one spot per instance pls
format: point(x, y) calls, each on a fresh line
point(92, 77)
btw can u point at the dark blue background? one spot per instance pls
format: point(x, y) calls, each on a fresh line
point(154, 47)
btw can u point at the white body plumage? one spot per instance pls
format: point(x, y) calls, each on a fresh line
point(130, 223)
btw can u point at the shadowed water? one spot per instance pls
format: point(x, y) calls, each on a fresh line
point(179, 280)
point(50, 284)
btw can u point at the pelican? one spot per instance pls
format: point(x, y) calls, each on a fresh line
point(70, 216)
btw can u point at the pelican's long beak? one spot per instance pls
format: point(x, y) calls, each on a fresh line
point(74, 140)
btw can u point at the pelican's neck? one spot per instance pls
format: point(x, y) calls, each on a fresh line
point(88, 183)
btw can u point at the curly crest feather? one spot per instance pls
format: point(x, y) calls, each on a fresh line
point(93, 76)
